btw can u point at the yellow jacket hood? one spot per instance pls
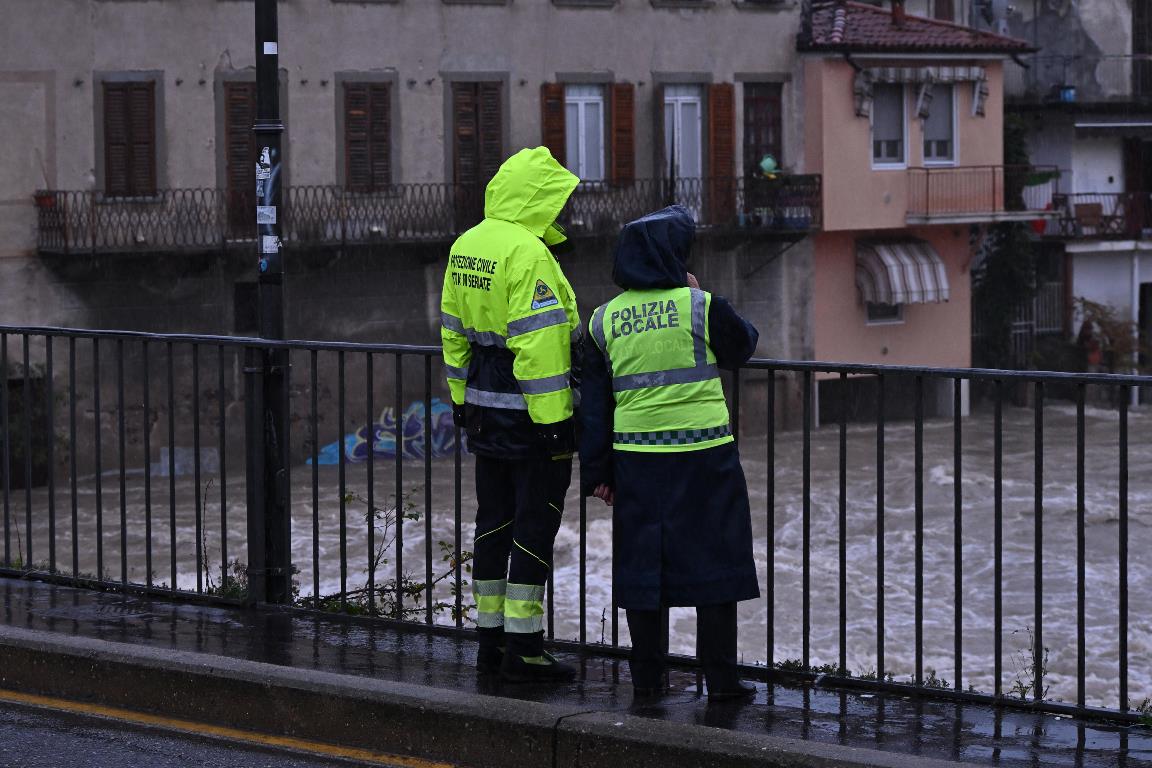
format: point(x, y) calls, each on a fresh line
point(530, 189)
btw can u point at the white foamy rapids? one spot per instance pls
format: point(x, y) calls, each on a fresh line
point(1102, 514)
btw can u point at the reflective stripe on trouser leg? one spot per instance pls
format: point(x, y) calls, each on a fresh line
point(524, 608)
point(490, 601)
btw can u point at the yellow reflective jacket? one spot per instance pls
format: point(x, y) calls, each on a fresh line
point(508, 313)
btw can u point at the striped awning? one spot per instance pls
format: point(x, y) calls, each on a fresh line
point(900, 272)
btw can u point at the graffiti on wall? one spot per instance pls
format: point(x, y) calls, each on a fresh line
point(435, 436)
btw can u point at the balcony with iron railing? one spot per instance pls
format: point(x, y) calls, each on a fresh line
point(1101, 216)
point(977, 194)
point(200, 219)
point(1078, 79)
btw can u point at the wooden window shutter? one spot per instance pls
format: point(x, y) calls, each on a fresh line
point(240, 155)
point(722, 151)
point(367, 136)
point(623, 116)
point(945, 10)
point(130, 138)
point(466, 132)
point(552, 122)
point(491, 124)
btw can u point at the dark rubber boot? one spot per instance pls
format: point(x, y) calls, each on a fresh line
point(526, 661)
point(716, 649)
point(491, 651)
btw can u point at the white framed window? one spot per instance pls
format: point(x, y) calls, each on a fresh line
point(584, 130)
point(940, 126)
point(884, 314)
point(888, 125)
point(683, 131)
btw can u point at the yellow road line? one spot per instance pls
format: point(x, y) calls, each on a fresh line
point(220, 732)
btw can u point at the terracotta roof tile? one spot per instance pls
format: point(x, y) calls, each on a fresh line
point(848, 26)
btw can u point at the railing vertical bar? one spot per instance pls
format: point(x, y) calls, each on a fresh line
point(172, 464)
point(1080, 555)
point(341, 464)
point(98, 460)
point(457, 505)
point(122, 457)
point(998, 537)
point(314, 425)
point(880, 527)
point(222, 436)
point(146, 424)
point(770, 527)
point(842, 527)
point(806, 572)
point(583, 569)
point(26, 417)
point(7, 467)
point(736, 407)
point(919, 533)
point(428, 423)
point(50, 433)
point(1122, 560)
point(1038, 546)
point(399, 486)
point(370, 434)
point(197, 469)
point(957, 535)
point(72, 455)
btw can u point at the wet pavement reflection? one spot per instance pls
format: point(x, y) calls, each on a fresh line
point(938, 729)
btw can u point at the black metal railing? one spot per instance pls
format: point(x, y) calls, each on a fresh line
point(961, 533)
point(1101, 216)
point(194, 219)
point(981, 190)
point(1071, 79)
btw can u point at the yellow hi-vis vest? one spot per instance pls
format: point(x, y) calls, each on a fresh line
point(664, 375)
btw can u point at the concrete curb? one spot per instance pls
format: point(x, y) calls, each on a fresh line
point(400, 718)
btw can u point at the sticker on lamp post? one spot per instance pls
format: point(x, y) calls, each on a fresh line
point(269, 244)
point(265, 214)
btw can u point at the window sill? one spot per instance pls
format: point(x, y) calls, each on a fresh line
point(476, 2)
point(674, 4)
point(584, 3)
point(900, 166)
point(764, 5)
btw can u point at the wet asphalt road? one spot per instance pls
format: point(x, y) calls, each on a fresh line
point(40, 738)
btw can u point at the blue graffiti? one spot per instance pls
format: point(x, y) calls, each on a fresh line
point(420, 437)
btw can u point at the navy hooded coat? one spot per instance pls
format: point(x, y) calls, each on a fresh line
point(682, 529)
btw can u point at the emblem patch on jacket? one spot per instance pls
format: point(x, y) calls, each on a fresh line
point(543, 296)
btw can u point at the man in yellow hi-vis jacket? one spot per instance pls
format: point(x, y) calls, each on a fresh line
point(508, 319)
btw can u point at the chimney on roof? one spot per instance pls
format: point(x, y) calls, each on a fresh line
point(897, 13)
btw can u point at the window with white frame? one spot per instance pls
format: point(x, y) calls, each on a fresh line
point(939, 127)
point(888, 124)
point(884, 314)
point(683, 131)
point(584, 130)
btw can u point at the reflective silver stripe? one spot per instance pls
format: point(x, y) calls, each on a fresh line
point(513, 401)
point(699, 307)
point(597, 327)
point(486, 338)
point(451, 322)
point(489, 620)
point(664, 378)
point(545, 385)
point(526, 592)
point(525, 626)
point(490, 587)
point(536, 322)
point(456, 373)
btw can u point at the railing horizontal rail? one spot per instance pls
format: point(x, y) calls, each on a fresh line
point(981, 189)
point(89, 221)
point(914, 523)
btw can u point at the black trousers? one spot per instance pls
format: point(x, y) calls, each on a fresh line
point(715, 646)
point(520, 503)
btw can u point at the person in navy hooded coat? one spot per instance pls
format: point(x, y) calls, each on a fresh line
point(657, 445)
